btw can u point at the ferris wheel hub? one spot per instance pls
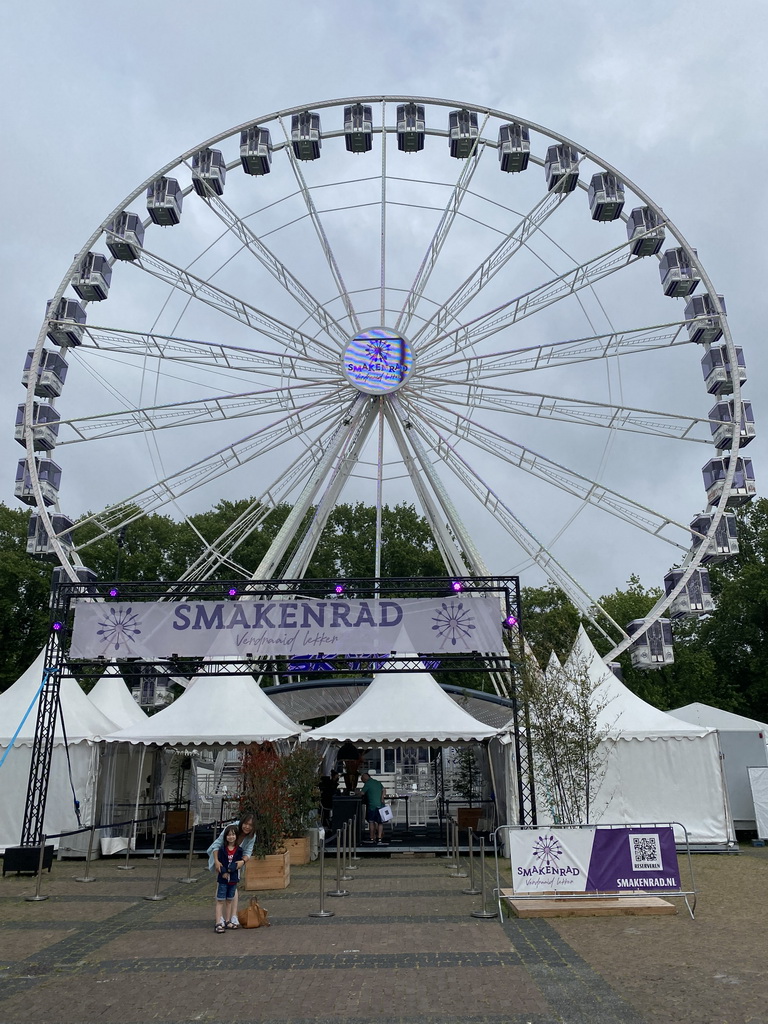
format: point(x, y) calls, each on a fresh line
point(377, 361)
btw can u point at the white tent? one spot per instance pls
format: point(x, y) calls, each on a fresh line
point(85, 725)
point(112, 697)
point(216, 711)
point(656, 768)
point(404, 707)
point(744, 745)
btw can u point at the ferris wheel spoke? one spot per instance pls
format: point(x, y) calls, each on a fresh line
point(276, 268)
point(317, 224)
point(491, 501)
point(221, 550)
point(475, 368)
point(191, 412)
point(211, 467)
point(111, 341)
point(568, 410)
point(532, 222)
point(509, 313)
point(207, 293)
point(590, 491)
point(438, 240)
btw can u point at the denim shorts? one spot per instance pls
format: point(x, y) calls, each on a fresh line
point(225, 891)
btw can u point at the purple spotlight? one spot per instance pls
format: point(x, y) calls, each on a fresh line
point(510, 621)
point(457, 586)
point(339, 588)
point(232, 591)
point(113, 591)
point(57, 626)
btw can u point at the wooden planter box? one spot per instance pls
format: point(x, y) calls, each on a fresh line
point(468, 817)
point(298, 850)
point(273, 872)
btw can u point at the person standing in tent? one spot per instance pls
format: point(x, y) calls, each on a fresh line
point(352, 759)
point(245, 839)
point(373, 795)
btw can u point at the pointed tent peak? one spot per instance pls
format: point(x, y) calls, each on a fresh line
point(216, 711)
point(113, 698)
point(404, 707)
point(553, 665)
point(82, 719)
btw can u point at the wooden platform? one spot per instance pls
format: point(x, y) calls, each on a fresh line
point(584, 906)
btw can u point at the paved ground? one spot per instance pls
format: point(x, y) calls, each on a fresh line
point(402, 947)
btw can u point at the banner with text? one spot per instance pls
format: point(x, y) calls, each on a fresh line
point(594, 859)
point(223, 629)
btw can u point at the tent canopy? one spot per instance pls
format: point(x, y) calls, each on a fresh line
point(112, 697)
point(217, 710)
point(404, 707)
point(82, 719)
point(705, 714)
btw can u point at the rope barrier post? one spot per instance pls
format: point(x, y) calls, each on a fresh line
point(471, 891)
point(127, 866)
point(344, 842)
point(189, 877)
point(355, 854)
point(338, 891)
point(349, 866)
point(322, 912)
point(458, 872)
point(157, 836)
point(88, 877)
point(38, 896)
point(448, 837)
point(486, 914)
point(156, 894)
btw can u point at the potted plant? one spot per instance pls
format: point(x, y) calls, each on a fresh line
point(263, 790)
point(302, 800)
point(468, 783)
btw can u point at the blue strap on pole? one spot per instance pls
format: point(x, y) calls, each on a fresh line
point(46, 672)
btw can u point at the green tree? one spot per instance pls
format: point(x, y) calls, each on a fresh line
point(25, 587)
point(550, 621)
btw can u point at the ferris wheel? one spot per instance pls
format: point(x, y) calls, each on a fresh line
point(392, 298)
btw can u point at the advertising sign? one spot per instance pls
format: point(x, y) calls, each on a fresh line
point(221, 629)
point(594, 859)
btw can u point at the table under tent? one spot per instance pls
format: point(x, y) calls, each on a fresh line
point(655, 767)
point(744, 744)
point(410, 709)
point(75, 762)
point(214, 712)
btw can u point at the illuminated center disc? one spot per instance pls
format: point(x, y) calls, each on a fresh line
point(377, 361)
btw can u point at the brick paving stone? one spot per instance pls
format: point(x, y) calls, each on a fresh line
point(401, 949)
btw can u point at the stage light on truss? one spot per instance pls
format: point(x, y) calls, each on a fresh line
point(114, 592)
point(510, 622)
point(457, 586)
point(232, 591)
point(57, 627)
point(339, 588)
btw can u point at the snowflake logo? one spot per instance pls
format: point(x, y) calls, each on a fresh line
point(121, 626)
point(377, 350)
point(453, 622)
point(547, 850)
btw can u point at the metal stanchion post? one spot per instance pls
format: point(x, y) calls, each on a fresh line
point(355, 855)
point(349, 866)
point(127, 866)
point(448, 837)
point(322, 912)
point(471, 891)
point(88, 877)
point(157, 835)
point(338, 891)
point(156, 895)
point(189, 877)
point(38, 896)
point(486, 914)
point(459, 872)
point(344, 843)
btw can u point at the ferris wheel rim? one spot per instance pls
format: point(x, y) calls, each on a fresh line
point(548, 133)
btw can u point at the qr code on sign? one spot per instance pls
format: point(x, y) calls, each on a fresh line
point(646, 852)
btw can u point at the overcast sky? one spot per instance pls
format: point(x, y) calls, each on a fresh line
point(96, 98)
